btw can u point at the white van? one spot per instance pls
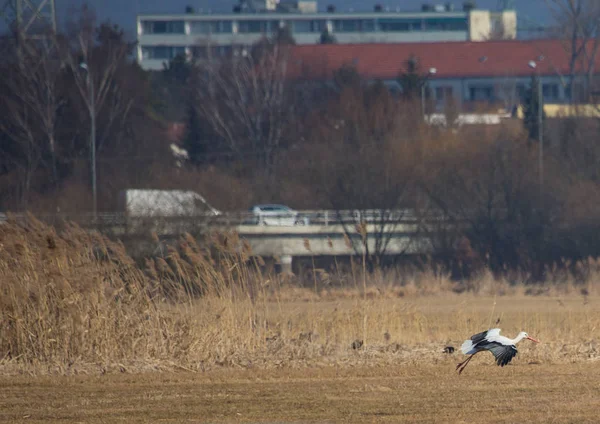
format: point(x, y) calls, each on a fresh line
point(164, 203)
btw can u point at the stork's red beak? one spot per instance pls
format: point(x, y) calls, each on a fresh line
point(532, 339)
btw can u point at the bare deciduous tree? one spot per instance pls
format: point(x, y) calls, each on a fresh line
point(23, 151)
point(579, 24)
point(94, 56)
point(94, 59)
point(243, 99)
point(32, 99)
point(365, 161)
point(489, 190)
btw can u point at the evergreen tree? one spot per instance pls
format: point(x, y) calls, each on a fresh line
point(199, 140)
point(411, 80)
point(327, 37)
point(177, 70)
point(283, 35)
point(531, 108)
point(172, 85)
point(193, 142)
point(197, 132)
point(347, 76)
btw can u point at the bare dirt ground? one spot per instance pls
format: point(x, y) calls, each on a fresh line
point(484, 393)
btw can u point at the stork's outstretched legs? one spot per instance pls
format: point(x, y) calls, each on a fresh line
point(460, 367)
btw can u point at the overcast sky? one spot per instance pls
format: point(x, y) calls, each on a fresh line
point(123, 12)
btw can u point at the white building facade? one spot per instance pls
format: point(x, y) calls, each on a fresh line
point(162, 37)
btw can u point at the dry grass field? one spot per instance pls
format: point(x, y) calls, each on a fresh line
point(86, 335)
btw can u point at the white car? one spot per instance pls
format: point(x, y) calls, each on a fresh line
point(277, 215)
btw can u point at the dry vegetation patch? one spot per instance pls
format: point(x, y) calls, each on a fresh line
point(74, 302)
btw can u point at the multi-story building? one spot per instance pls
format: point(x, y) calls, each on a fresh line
point(162, 37)
point(471, 74)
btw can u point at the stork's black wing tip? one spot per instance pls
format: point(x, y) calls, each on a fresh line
point(506, 356)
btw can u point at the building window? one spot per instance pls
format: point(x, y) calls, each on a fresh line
point(520, 91)
point(162, 52)
point(368, 25)
point(400, 25)
point(346, 25)
point(200, 52)
point(225, 27)
point(275, 25)
point(147, 27)
point(550, 92)
point(163, 27)
point(211, 27)
point(201, 27)
point(305, 25)
point(354, 25)
point(579, 92)
point(212, 51)
point(447, 24)
point(253, 27)
point(302, 26)
point(483, 93)
point(443, 94)
point(222, 51)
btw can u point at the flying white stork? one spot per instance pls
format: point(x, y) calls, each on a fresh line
point(503, 348)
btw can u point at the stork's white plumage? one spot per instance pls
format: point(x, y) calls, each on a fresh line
point(502, 348)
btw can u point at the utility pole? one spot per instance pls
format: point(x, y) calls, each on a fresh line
point(541, 130)
point(91, 103)
point(432, 71)
point(533, 65)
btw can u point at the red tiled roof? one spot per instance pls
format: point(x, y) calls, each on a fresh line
point(451, 59)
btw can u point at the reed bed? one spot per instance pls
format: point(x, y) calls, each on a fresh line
point(73, 301)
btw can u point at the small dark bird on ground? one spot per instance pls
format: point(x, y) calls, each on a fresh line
point(449, 349)
point(357, 344)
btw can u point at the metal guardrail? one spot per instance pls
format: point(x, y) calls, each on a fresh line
point(312, 217)
point(234, 219)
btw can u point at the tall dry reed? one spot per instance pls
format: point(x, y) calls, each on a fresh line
point(76, 297)
point(70, 299)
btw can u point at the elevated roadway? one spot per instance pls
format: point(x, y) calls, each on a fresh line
point(328, 233)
